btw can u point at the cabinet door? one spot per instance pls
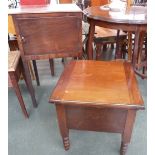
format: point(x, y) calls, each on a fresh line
point(45, 34)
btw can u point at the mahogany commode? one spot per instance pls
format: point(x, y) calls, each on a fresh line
point(97, 96)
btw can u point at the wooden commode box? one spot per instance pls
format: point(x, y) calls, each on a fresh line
point(97, 96)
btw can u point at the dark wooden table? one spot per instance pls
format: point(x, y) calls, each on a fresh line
point(97, 96)
point(133, 21)
point(46, 32)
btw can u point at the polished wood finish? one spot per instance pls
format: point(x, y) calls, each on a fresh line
point(131, 22)
point(15, 68)
point(47, 32)
point(97, 97)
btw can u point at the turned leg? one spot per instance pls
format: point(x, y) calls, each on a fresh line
point(29, 82)
point(36, 72)
point(126, 135)
point(51, 61)
point(18, 93)
point(61, 115)
point(123, 148)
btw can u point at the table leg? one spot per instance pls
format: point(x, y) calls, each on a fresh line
point(141, 42)
point(118, 53)
point(29, 82)
point(89, 45)
point(61, 113)
point(36, 72)
point(51, 61)
point(18, 93)
point(126, 135)
point(129, 46)
point(136, 45)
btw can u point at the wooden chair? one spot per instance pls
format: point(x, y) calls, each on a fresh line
point(15, 68)
point(105, 36)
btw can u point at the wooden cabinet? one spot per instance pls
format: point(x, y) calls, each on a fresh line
point(46, 32)
point(97, 96)
point(52, 31)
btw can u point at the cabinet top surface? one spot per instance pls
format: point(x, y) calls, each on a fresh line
point(45, 9)
point(98, 83)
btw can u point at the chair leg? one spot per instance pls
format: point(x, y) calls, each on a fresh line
point(118, 52)
point(123, 49)
point(36, 72)
point(129, 46)
point(98, 51)
point(112, 45)
point(63, 60)
point(105, 47)
point(18, 93)
point(51, 61)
